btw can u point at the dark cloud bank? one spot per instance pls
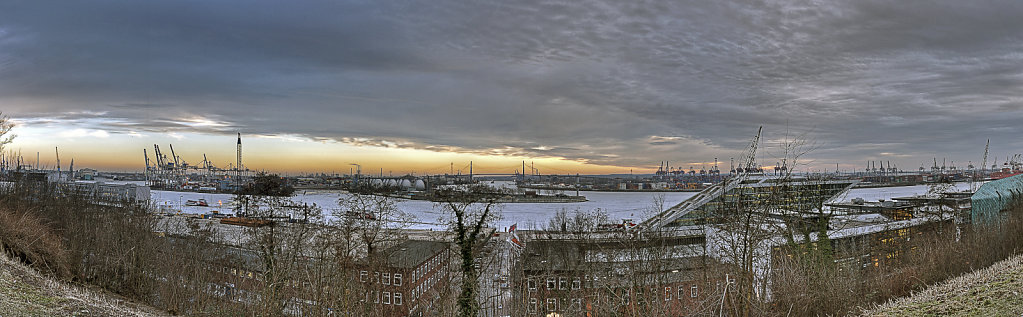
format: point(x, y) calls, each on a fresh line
point(611, 82)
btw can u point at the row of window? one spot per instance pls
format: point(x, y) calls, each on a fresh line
point(237, 272)
point(426, 267)
point(386, 298)
point(427, 285)
point(381, 278)
point(555, 284)
point(552, 303)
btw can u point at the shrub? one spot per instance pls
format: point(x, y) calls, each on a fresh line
point(28, 239)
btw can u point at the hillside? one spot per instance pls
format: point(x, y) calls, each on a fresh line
point(25, 292)
point(993, 291)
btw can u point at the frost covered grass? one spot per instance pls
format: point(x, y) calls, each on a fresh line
point(26, 292)
point(993, 291)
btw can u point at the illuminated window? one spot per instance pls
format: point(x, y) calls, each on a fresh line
point(667, 293)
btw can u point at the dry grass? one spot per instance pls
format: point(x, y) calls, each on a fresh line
point(26, 292)
point(993, 291)
point(26, 237)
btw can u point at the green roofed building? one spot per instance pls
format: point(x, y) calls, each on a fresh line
point(994, 197)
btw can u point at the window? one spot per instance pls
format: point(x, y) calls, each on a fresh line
point(362, 276)
point(577, 284)
point(387, 279)
point(376, 277)
point(552, 304)
point(681, 292)
point(376, 297)
point(625, 297)
point(562, 283)
point(577, 304)
point(387, 298)
point(531, 284)
point(397, 279)
point(667, 293)
point(692, 291)
point(397, 299)
point(551, 283)
point(532, 305)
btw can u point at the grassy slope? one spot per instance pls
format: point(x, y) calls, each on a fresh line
point(993, 291)
point(25, 292)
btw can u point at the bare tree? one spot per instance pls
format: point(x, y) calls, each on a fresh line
point(281, 247)
point(5, 130)
point(373, 219)
point(471, 210)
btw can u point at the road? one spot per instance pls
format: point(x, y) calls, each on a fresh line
point(495, 276)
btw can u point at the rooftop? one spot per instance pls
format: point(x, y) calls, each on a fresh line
point(411, 253)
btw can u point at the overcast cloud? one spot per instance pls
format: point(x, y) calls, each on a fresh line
point(626, 83)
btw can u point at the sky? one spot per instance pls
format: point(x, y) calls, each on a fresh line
point(582, 86)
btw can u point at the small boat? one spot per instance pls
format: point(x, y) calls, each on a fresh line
point(201, 203)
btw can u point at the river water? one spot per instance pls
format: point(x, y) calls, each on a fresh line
point(618, 205)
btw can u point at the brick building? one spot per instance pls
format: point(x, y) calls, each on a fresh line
point(410, 280)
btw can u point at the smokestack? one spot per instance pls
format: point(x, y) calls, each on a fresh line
point(239, 166)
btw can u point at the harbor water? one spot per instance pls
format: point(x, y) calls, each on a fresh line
point(619, 206)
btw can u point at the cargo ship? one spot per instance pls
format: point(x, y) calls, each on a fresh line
point(1005, 172)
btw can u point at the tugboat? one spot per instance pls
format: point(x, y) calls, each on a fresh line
point(201, 203)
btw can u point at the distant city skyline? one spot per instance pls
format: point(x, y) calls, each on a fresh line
point(591, 87)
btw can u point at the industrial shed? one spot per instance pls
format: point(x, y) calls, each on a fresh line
point(994, 197)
